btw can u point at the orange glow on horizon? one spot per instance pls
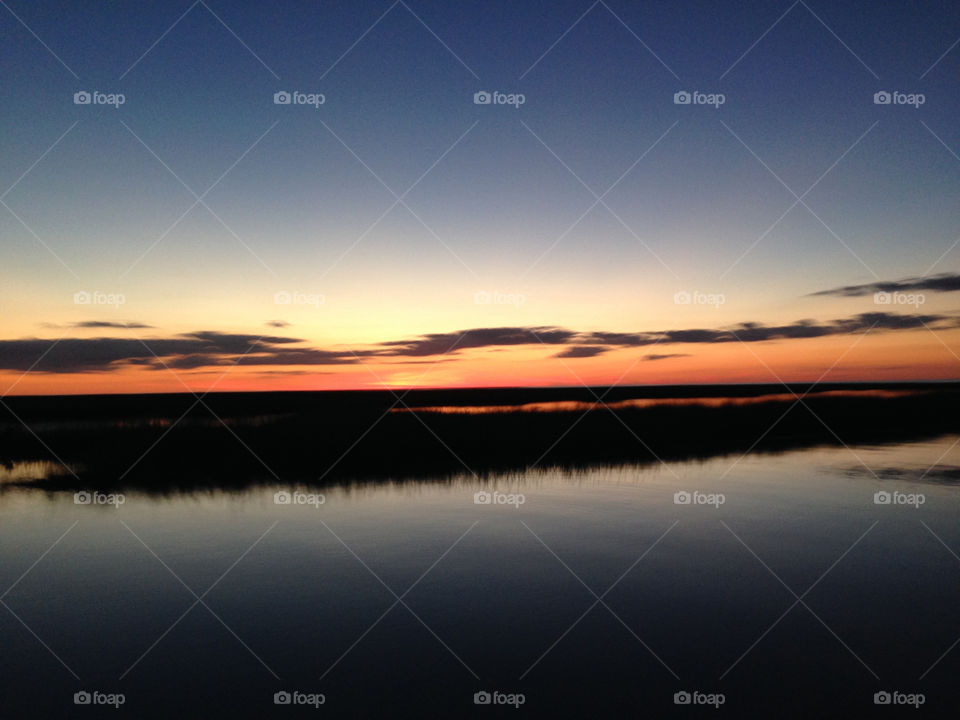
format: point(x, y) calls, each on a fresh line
point(916, 355)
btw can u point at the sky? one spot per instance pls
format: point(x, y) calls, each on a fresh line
point(388, 228)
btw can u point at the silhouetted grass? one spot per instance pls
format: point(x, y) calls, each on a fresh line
point(328, 438)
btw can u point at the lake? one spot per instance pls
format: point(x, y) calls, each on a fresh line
point(820, 581)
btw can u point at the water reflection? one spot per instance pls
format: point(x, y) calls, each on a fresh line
point(642, 403)
point(305, 596)
point(30, 471)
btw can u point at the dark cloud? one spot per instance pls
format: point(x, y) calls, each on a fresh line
point(305, 356)
point(442, 343)
point(754, 332)
point(109, 324)
point(651, 357)
point(278, 324)
point(889, 321)
point(238, 343)
point(189, 350)
point(596, 342)
point(945, 282)
point(619, 339)
point(582, 351)
point(98, 324)
point(212, 349)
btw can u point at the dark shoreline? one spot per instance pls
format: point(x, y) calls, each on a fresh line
point(65, 406)
point(312, 438)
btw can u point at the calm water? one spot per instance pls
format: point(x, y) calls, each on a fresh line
point(303, 597)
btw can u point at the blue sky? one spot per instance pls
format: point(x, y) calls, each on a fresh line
point(503, 198)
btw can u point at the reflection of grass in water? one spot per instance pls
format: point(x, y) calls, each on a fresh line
point(29, 471)
point(936, 474)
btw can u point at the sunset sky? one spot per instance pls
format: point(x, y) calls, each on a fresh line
point(200, 236)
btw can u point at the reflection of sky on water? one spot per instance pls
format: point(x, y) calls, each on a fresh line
point(640, 403)
point(317, 579)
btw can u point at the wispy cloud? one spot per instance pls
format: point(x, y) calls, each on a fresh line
point(209, 348)
point(665, 356)
point(109, 324)
point(95, 324)
point(582, 351)
point(945, 282)
point(440, 343)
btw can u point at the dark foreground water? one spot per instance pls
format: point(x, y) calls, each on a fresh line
point(786, 587)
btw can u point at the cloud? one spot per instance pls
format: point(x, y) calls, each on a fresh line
point(109, 324)
point(754, 332)
point(442, 343)
point(277, 324)
point(212, 349)
point(588, 344)
point(100, 324)
point(618, 338)
point(189, 350)
point(581, 351)
point(651, 357)
point(945, 282)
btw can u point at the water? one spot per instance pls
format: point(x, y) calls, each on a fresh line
point(406, 599)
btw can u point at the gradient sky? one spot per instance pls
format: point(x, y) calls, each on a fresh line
point(502, 202)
